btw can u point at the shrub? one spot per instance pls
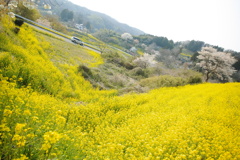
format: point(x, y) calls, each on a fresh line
point(162, 81)
point(195, 79)
point(55, 24)
point(138, 71)
point(128, 66)
point(86, 72)
point(91, 75)
point(116, 58)
point(16, 30)
point(32, 14)
point(191, 76)
point(19, 22)
point(118, 81)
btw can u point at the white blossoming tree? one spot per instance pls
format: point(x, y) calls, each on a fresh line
point(127, 36)
point(216, 64)
point(6, 6)
point(145, 61)
point(10, 4)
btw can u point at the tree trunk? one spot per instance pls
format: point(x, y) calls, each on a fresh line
point(7, 2)
point(207, 76)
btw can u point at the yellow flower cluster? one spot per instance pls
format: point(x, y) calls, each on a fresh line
point(19, 128)
point(20, 140)
point(4, 128)
point(7, 112)
point(51, 137)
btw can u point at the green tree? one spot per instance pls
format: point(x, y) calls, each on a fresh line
point(55, 24)
point(66, 15)
point(88, 26)
point(194, 46)
point(70, 15)
point(194, 57)
point(163, 42)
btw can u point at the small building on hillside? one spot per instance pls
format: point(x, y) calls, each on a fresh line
point(133, 49)
point(79, 26)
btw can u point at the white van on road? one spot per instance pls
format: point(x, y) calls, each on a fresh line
point(76, 40)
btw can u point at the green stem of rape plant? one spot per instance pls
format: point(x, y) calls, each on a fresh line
point(47, 154)
point(67, 118)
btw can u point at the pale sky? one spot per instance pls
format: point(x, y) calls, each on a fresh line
point(216, 22)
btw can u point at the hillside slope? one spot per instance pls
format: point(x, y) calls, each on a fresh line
point(49, 111)
point(96, 19)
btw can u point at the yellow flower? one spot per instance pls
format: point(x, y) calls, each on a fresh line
point(7, 112)
point(35, 118)
point(52, 137)
point(19, 127)
point(20, 79)
point(27, 112)
point(20, 140)
point(59, 112)
point(4, 128)
point(60, 120)
point(53, 154)
point(46, 146)
point(31, 135)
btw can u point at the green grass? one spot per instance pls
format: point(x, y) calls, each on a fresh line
point(50, 30)
point(67, 53)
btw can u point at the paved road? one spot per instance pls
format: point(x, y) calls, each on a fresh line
point(63, 36)
point(43, 30)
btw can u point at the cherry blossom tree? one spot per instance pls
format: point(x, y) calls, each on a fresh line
point(7, 6)
point(145, 61)
point(126, 36)
point(216, 64)
point(10, 4)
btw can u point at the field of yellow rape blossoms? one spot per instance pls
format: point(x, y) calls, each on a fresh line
point(49, 111)
point(191, 122)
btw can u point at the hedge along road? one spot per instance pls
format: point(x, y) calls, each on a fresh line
point(67, 38)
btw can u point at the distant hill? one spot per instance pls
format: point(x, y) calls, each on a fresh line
point(95, 19)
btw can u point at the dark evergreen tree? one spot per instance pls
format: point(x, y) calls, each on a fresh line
point(66, 15)
point(219, 49)
point(194, 46)
point(163, 42)
point(194, 57)
point(88, 26)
